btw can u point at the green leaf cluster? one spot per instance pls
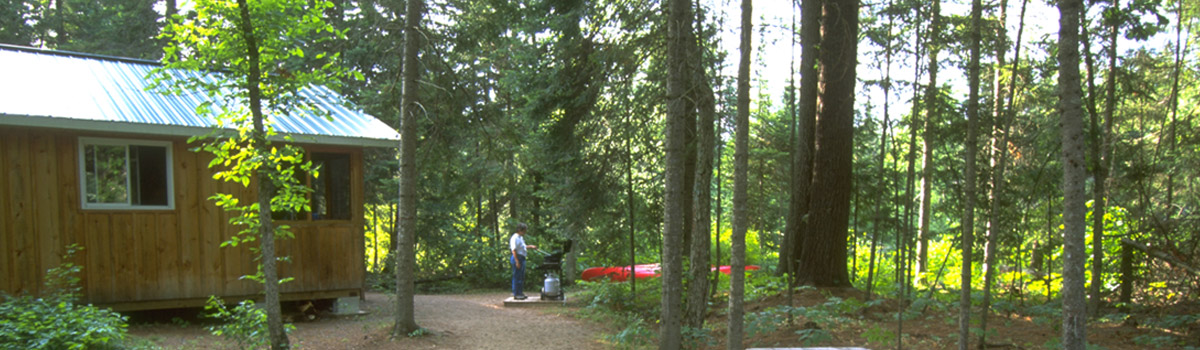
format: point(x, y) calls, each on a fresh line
point(56, 320)
point(244, 324)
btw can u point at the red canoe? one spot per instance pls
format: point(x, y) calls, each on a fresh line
point(642, 271)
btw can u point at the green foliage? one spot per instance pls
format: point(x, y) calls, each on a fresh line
point(16, 21)
point(244, 324)
point(813, 336)
point(697, 338)
point(420, 332)
point(212, 39)
point(635, 335)
point(611, 303)
point(877, 334)
point(27, 322)
point(56, 320)
point(1157, 341)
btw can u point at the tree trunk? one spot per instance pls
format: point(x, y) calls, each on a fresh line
point(1074, 177)
point(406, 261)
point(997, 156)
point(266, 189)
point(741, 161)
point(697, 298)
point(968, 218)
point(823, 259)
point(629, 200)
point(927, 146)
point(909, 228)
point(792, 218)
point(1100, 151)
point(679, 31)
point(882, 180)
point(810, 35)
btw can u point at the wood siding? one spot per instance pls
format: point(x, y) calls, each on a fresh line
point(154, 258)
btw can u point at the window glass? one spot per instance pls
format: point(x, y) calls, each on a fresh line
point(331, 190)
point(125, 173)
point(106, 174)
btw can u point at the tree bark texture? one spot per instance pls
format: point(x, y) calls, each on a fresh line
point(968, 218)
point(697, 297)
point(1074, 177)
point(406, 261)
point(810, 36)
point(1100, 157)
point(997, 156)
point(741, 167)
point(931, 113)
point(823, 258)
point(679, 29)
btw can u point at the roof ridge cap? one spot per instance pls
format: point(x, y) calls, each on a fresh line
point(78, 54)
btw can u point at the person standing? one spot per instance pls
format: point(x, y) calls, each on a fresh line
point(517, 246)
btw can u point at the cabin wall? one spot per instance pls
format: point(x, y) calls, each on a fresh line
point(154, 258)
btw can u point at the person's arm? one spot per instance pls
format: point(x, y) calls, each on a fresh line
point(515, 259)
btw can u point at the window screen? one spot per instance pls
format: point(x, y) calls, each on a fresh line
point(331, 190)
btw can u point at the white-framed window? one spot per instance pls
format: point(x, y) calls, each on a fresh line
point(125, 174)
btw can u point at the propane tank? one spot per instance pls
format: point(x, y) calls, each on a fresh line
point(551, 288)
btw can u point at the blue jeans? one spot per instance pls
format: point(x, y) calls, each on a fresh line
point(518, 274)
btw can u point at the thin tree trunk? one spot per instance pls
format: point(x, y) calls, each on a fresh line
point(968, 218)
point(266, 189)
point(786, 256)
point(910, 188)
point(1100, 149)
point(1074, 176)
point(697, 298)
point(999, 160)
point(927, 146)
point(792, 218)
point(880, 206)
point(720, 210)
point(406, 263)
point(741, 161)
point(629, 199)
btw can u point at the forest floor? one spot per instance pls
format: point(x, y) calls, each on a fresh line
point(460, 321)
point(875, 326)
point(479, 320)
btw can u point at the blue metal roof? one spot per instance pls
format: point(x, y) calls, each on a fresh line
point(86, 92)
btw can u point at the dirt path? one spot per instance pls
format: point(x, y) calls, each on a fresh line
point(462, 321)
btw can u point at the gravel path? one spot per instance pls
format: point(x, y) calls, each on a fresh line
point(462, 321)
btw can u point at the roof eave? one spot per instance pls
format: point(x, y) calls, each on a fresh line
point(175, 130)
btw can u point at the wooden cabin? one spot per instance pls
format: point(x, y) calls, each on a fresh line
point(90, 157)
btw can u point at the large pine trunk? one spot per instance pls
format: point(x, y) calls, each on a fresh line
point(824, 255)
point(406, 261)
point(1074, 324)
point(806, 114)
point(679, 24)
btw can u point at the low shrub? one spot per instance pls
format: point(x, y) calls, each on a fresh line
point(56, 320)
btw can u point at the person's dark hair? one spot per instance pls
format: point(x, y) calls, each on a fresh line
point(521, 227)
